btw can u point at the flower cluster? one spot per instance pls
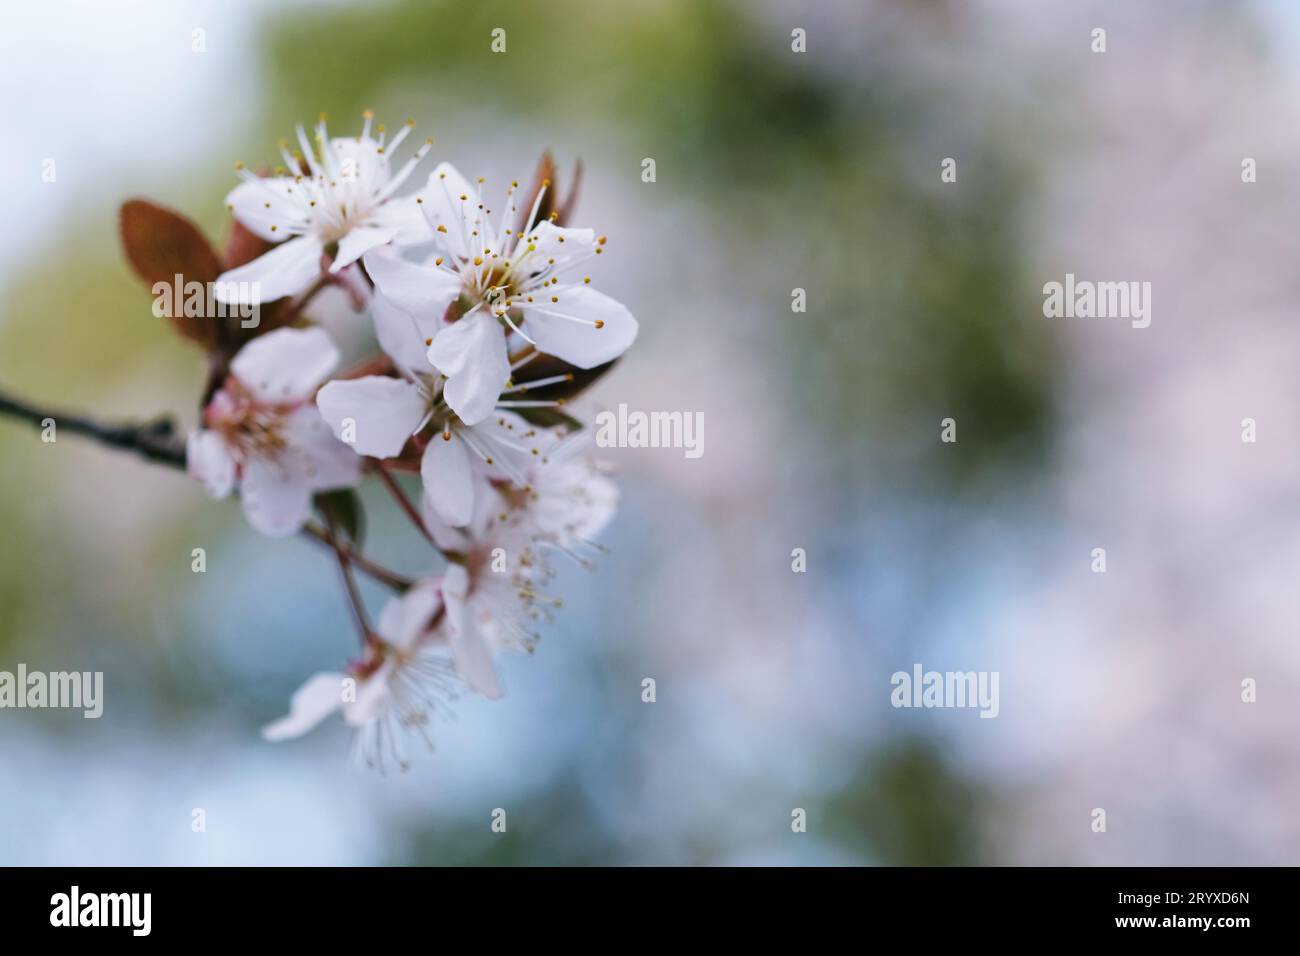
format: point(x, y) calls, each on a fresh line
point(487, 324)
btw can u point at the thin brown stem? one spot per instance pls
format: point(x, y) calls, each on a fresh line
point(403, 502)
point(296, 307)
point(155, 440)
point(363, 564)
point(350, 583)
point(158, 442)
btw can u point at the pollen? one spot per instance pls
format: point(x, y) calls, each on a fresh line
point(554, 298)
point(428, 341)
point(478, 260)
point(438, 261)
point(442, 228)
point(586, 280)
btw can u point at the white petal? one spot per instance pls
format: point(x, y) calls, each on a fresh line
point(405, 619)
point(375, 414)
point(266, 203)
point(287, 269)
point(556, 242)
point(276, 498)
point(325, 461)
point(472, 354)
point(360, 162)
point(444, 535)
point(449, 480)
point(402, 335)
point(472, 653)
point(358, 242)
point(423, 291)
point(510, 441)
point(404, 216)
point(285, 365)
point(208, 459)
point(311, 703)
point(372, 696)
point(579, 342)
point(443, 206)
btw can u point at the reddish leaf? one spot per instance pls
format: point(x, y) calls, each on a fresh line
point(160, 245)
point(571, 200)
point(548, 366)
point(545, 176)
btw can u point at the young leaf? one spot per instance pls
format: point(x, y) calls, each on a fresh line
point(545, 174)
point(342, 509)
point(161, 245)
point(548, 366)
point(549, 418)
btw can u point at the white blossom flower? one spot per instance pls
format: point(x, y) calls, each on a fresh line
point(506, 281)
point(377, 414)
point(392, 693)
point(263, 435)
point(571, 499)
point(496, 595)
point(344, 205)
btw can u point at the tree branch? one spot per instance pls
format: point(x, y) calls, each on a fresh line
point(155, 440)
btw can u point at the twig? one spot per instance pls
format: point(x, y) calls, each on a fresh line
point(157, 441)
point(349, 582)
point(403, 502)
point(377, 571)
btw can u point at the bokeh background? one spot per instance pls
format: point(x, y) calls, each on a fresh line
point(775, 170)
